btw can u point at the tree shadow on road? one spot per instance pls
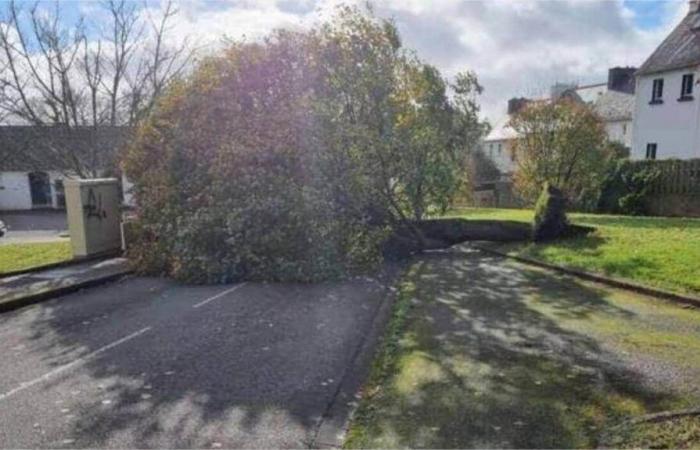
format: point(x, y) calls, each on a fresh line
point(260, 372)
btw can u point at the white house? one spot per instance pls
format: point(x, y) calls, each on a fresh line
point(614, 101)
point(496, 144)
point(32, 173)
point(667, 104)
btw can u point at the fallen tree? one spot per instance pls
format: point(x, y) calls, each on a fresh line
point(295, 158)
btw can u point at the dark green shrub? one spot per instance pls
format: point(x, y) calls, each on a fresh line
point(550, 214)
point(627, 187)
point(232, 182)
point(290, 158)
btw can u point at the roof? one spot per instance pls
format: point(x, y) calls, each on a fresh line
point(29, 148)
point(591, 93)
point(610, 105)
point(680, 49)
point(614, 105)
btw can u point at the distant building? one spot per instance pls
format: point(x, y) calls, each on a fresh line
point(614, 101)
point(667, 107)
point(32, 170)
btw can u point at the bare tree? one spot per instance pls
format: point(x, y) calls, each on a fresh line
point(79, 82)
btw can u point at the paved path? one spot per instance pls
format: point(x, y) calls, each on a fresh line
point(47, 220)
point(148, 363)
point(34, 226)
point(496, 354)
point(17, 290)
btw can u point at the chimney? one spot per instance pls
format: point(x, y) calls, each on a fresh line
point(621, 79)
point(515, 105)
point(693, 6)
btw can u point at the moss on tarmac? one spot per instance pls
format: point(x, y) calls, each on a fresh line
point(495, 354)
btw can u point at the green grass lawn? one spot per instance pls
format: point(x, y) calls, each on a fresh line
point(486, 353)
point(661, 252)
point(24, 256)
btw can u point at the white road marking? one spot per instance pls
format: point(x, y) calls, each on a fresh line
point(220, 294)
point(77, 362)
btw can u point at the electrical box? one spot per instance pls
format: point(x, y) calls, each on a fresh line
point(93, 207)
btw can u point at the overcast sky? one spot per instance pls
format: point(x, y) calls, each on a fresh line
point(516, 47)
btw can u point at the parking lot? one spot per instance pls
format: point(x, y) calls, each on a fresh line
point(146, 362)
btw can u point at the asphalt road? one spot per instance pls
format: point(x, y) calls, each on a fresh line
point(148, 363)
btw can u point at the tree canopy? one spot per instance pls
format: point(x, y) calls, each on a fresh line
point(293, 157)
point(562, 143)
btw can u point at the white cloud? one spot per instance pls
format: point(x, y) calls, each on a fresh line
point(517, 47)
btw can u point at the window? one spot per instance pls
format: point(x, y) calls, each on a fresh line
point(40, 189)
point(624, 129)
point(687, 87)
point(499, 149)
point(651, 151)
point(657, 91)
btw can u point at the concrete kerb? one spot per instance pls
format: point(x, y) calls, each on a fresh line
point(334, 424)
point(60, 264)
point(56, 289)
point(51, 294)
point(610, 281)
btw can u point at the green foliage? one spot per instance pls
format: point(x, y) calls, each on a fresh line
point(289, 159)
point(550, 220)
point(563, 143)
point(627, 187)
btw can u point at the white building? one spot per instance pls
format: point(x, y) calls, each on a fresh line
point(32, 173)
point(497, 144)
point(614, 101)
point(667, 106)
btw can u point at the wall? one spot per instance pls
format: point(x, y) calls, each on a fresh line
point(501, 158)
point(620, 131)
point(14, 191)
point(672, 125)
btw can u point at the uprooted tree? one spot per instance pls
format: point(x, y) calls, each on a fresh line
point(562, 143)
point(293, 158)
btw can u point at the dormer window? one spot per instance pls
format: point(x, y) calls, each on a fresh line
point(657, 91)
point(687, 87)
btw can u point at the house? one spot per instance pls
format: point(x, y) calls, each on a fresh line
point(614, 101)
point(33, 163)
point(667, 106)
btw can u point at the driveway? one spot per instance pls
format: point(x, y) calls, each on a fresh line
point(34, 226)
point(149, 363)
point(47, 220)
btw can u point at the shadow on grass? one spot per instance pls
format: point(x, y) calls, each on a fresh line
point(486, 362)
